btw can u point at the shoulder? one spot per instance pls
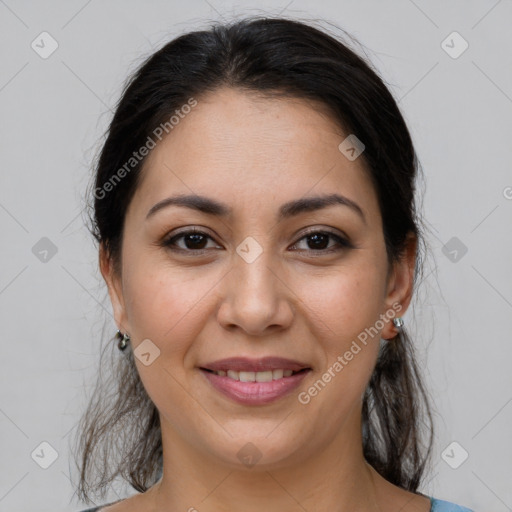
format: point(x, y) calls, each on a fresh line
point(447, 506)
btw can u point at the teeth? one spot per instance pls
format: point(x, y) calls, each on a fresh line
point(277, 374)
point(266, 376)
point(263, 376)
point(247, 376)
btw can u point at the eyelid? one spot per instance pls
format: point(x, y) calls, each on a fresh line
point(343, 241)
point(166, 242)
point(318, 229)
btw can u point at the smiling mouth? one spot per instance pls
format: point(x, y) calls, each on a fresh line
point(264, 376)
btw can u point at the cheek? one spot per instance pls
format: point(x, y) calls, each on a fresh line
point(164, 306)
point(341, 309)
point(341, 304)
point(168, 310)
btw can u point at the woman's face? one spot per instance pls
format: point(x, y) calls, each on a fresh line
point(267, 277)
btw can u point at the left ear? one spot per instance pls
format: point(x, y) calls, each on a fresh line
point(400, 285)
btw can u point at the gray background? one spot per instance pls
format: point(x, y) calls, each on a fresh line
point(54, 112)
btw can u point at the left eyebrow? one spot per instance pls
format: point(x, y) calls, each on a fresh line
point(287, 210)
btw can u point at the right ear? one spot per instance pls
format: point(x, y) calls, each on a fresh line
point(115, 289)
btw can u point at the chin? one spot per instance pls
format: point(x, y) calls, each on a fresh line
point(260, 451)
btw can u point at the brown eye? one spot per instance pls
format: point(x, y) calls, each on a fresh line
point(194, 241)
point(318, 241)
point(191, 241)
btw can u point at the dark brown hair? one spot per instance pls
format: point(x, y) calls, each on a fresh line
point(119, 434)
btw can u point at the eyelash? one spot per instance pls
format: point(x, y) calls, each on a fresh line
point(342, 242)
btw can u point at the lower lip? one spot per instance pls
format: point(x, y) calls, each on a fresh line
point(254, 393)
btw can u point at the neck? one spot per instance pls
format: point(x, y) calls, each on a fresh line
point(335, 477)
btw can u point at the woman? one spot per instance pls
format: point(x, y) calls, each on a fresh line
point(254, 208)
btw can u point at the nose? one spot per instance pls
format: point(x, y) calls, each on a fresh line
point(256, 298)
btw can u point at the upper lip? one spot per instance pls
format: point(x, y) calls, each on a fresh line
point(244, 364)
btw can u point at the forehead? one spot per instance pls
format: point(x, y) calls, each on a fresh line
point(242, 147)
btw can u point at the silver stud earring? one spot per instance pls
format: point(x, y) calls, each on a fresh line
point(123, 340)
point(398, 322)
